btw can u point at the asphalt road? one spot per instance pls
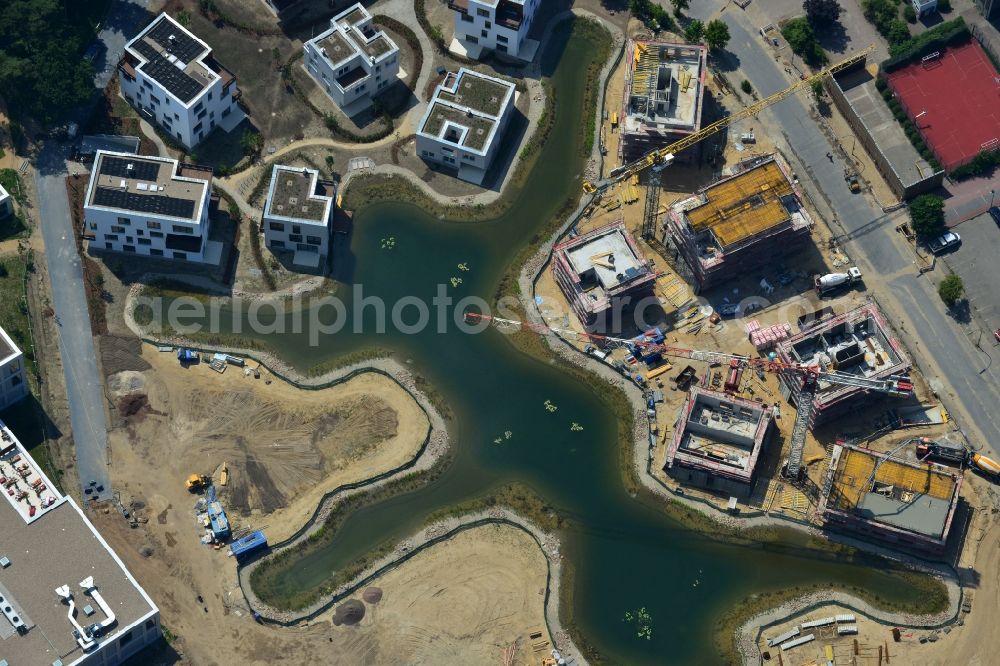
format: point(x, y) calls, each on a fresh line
point(943, 351)
point(83, 383)
point(84, 388)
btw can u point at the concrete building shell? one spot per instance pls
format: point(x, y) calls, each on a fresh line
point(718, 439)
point(858, 341)
point(741, 222)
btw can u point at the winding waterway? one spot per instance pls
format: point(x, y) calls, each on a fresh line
point(625, 553)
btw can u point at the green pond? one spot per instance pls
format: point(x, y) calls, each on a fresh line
point(624, 551)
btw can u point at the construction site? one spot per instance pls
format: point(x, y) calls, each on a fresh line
point(663, 97)
point(753, 216)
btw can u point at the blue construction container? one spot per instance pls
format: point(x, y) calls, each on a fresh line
point(219, 521)
point(248, 545)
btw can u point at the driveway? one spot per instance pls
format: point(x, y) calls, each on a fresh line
point(941, 347)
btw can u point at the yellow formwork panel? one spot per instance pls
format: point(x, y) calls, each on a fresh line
point(855, 468)
point(744, 205)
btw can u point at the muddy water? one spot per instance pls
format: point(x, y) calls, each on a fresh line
point(625, 553)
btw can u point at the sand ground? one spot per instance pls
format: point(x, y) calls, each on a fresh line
point(284, 448)
point(469, 597)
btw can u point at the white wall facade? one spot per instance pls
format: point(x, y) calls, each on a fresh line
point(134, 232)
point(13, 382)
point(6, 203)
point(380, 72)
point(477, 27)
point(187, 123)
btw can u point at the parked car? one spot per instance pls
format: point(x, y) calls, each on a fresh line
point(996, 334)
point(995, 212)
point(94, 51)
point(944, 242)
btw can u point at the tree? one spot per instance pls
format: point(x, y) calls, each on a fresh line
point(800, 37)
point(822, 12)
point(817, 88)
point(746, 87)
point(251, 142)
point(680, 6)
point(42, 73)
point(927, 214)
point(717, 34)
point(898, 32)
point(694, 32)
point(951, 289)
point(910, 14)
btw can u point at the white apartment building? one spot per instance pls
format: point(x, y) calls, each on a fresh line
point(352, 61)
point(171, 78)
point(494, 25)
point(68, 599)
point(298, 213)
point(6, 203)
point(465, 121)
point(150, 206)
point(13, 383)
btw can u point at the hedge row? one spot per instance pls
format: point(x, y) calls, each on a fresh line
point(411, 40)
point(937, 38)
point(982, 164)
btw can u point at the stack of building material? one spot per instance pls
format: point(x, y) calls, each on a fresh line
point(767, 338)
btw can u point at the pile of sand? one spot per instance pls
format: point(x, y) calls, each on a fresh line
point(350, 612)
point(372, 595)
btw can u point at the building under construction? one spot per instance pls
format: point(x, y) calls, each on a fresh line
point(902, 502)
point(717, 441)
point(859, 343)
point(741, 222)
point(664, 88)
point(596, 268)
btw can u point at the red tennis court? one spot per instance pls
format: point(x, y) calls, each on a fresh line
point(960, 92)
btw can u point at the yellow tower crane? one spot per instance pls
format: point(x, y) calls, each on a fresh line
point(662, 157)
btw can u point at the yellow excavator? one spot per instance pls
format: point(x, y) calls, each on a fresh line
point(661, 158)
point(196, 482)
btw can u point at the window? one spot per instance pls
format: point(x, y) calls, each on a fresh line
point(147, 84)
point(482, 12)
point(128, 239)
point(472, 40)
point(202, 114)
point(93, 225)
point(196, 127)
point(125, 638)
point(116, 229)
point(17, 379)
point(295, 238)
point(176, 117)
point(483, 33)
point(501, 38)
point(275, 226)
point(156, 253)
point(296, 229)
point(278, 243)
point(198, 106)
point(150, 624)
point(180, 255)
point(209, 96)
point(124, 221)
point(154, 99)
point(488, 25)
point(468, 158)
point(111, 237)
point(314, 240)
point(467, 18)
point(150, 224)
point(502, 48)
point(178, 229)
point(129, 248)
point(145, 241)
point(156, 234)
point(109, 246)
point(225, 112)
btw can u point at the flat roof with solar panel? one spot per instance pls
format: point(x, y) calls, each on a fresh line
point(150, 185)
point(174, 58)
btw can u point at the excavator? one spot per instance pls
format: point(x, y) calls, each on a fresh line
point(661, 158)
point(196, 482)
